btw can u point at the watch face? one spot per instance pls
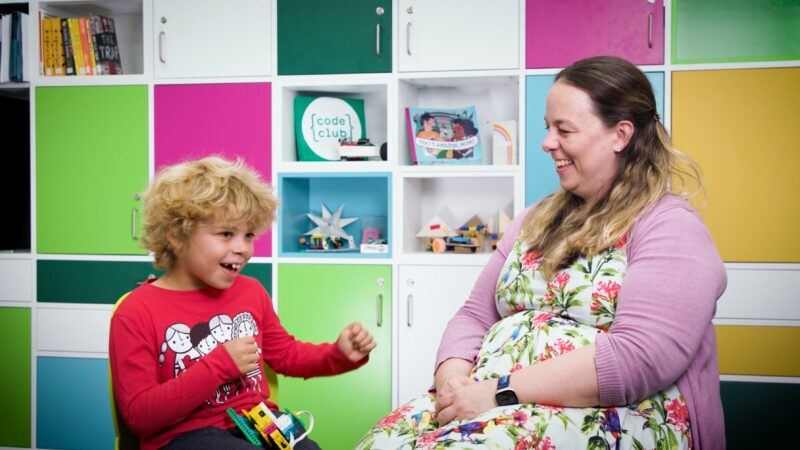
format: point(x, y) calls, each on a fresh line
point(506, 398)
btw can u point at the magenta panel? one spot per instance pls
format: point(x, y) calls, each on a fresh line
point(561, 32)
point(231, 120)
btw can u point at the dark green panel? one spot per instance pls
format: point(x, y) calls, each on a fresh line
point(262, 272)
point(62, 281)
point(746, 427)
point(15, 353)
point(705, 31)
point(324, 37)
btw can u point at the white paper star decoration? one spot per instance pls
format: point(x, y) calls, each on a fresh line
point(330, 225)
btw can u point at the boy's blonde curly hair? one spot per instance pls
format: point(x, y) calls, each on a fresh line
point(186, 195)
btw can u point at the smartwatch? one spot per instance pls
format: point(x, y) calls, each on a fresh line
point(504, 395)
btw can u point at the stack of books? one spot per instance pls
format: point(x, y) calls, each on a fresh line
point(78, 46)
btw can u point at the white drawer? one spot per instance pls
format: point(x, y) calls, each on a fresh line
point(16, 280)
point(761, 292)
point(73, 330)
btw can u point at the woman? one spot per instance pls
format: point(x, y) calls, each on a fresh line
point(590, 327)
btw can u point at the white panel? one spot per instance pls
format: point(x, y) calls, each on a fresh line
point(429, 297)
point(16, 278)
point(761, 293)
point(73, 330)
point(458, 35)
point(204, 38)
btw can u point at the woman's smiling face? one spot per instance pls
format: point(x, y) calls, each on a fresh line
point(585, 150)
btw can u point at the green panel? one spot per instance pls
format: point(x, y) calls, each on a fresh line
point(15, 415)
point(321, 36)
point(91, 159)
point(705, 31)
point(60, 281)
point(745, 429)
point(315, 302)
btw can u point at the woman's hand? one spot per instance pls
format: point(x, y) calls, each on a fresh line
point(355, 342)
point(466, 401)
point(244, 352)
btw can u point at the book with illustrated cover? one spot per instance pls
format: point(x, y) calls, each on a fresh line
point(77, 50)
point(87, 48)
point(444, 136)
point(106, 49)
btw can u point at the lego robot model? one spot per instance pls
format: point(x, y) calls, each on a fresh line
point(259, 425)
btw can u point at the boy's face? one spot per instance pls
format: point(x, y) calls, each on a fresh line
point(213, 256)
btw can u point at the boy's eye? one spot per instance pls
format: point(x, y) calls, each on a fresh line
point(250, 236)
point(226, 234)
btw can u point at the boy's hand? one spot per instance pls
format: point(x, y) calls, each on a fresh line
point(355, 342)
point(244, 352)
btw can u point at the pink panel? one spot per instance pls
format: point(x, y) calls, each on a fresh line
point(231, 120)
point(561, 32)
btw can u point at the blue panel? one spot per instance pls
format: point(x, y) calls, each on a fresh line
point(72, 405)
point(363, 195)
point(540, 174)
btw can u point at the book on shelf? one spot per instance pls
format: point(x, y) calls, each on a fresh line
point(5, 47)
point(66, 41)
point(77, 48)
point(444, 136)
point(87, 49)
point(57, 46)
point(106, 49)
point(321, 123)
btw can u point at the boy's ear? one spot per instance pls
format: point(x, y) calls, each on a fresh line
point(174, 243)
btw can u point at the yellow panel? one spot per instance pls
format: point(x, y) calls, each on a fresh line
point(743, 128)
point(759, 350)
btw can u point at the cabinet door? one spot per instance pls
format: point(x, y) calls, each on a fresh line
point(750, 195)
point(715, 31)
point(91, 163)
point(345, 36)
point(429, 297)
point(560, 32)
point(314, 303)
point(458, 35)
point(207, 38)
point(15, 332)
point(73, 409)
point(231, 120)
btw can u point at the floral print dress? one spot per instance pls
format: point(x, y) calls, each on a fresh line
point(541, 319)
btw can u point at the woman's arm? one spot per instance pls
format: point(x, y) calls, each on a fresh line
point(665, 306)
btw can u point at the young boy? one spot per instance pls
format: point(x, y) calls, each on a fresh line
point(185, 347)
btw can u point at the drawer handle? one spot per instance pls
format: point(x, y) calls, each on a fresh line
point(650, 30)
point(378, 39)
point(161, 56)
point(408, 38)
point(134, 212)
point(410, 318)
point(379, 310)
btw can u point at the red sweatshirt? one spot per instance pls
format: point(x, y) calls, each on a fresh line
point(171, 375)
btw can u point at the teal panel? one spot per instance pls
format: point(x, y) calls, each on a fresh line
point(15, 353)
point(73, 410)
point(745, 429)
point(712, 31)
point(262, 272)
point(363, 196)
point(540, 174)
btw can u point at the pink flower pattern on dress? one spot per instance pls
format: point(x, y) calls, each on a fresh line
point(678, 415)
